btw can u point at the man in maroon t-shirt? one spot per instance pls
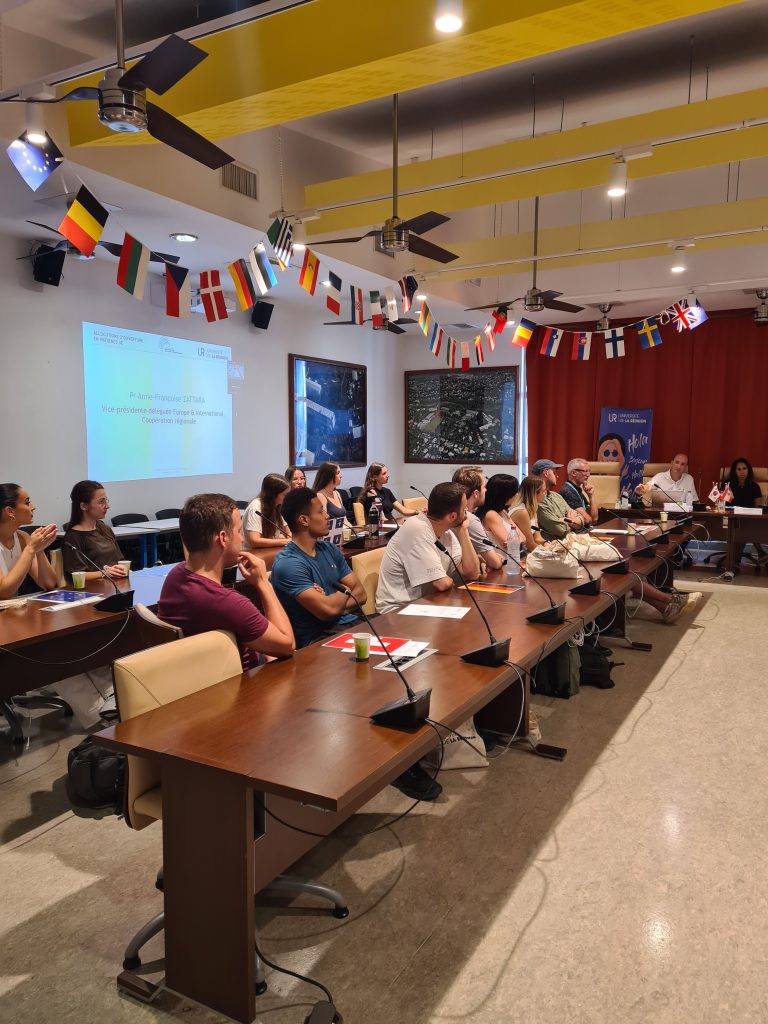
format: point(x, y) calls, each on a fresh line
point(193, 597)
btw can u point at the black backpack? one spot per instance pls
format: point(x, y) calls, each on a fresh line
point(95, 776)
point(595, 666)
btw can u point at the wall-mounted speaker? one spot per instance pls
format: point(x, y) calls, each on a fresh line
point(47, 265)
point(262, 314)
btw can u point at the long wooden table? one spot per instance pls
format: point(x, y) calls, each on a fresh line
point(296, 736)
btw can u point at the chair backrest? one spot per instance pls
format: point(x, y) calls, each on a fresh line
point(157, 676)
point(353, 492)
point(366, 567)
point(126, 518)
point(604, 477)
point(168, 513)
point(242, 505)
point(344, 495)
point(149, 617)
point(650, 469)
point(359, 513)
point(418, 504)
point(761, 477)
point(56, 557)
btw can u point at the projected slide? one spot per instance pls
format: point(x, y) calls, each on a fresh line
point(155, 406)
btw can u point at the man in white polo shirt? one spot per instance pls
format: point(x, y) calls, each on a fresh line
point(676, 479)
point(413, 565)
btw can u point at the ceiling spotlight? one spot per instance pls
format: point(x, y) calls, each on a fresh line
point(617, 180)
point(298, 246)
point(326, 284)
point(449, 16)
point(677, 268)
point(35, 130)
point(182, 236)
point(420, 297)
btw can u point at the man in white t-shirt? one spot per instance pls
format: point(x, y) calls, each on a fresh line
point(472, 479)
point(413, 566)
point(676, 479)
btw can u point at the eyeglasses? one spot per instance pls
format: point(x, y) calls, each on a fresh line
point(610, 453)
point(101, 501)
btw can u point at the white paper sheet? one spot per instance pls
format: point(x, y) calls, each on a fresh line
point(433, 611)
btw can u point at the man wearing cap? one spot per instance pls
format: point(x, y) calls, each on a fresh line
point(556, 518)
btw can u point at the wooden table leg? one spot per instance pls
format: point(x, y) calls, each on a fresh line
point(208, 864)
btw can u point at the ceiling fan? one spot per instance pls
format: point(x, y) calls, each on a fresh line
point(393, 326)
point(535, 300)
point(403, 235)
point(123, 104)
point(112, 247)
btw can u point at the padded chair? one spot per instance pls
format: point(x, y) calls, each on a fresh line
point(149, 618)
point(242, 505)
point(354, 493)
point(344, 495)
point(359, 513)
point(169, 544)
point(366, 567)
point(128, 518)
point(147, 680)
point(604, 477)
point(168, 513)
point(418, 504)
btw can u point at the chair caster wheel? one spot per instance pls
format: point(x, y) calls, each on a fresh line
point(131, 963)
point(341, 912)
point(261, 988)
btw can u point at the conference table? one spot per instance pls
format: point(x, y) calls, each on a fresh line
point(295, 736)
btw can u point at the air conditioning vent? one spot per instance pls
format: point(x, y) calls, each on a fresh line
point(474, 281)
point(239, 179)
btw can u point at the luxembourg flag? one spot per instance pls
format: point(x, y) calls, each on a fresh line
point(614, 343)
point(582, 343)
point(550, 343)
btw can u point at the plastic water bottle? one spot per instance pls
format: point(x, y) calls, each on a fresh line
point(625, 498)
point(373, 517)
point(513, 549)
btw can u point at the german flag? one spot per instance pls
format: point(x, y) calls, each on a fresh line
point(243, 282)
point(84, 223)
point(309, 271)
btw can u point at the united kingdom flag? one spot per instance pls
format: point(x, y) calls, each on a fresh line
point(686, 317)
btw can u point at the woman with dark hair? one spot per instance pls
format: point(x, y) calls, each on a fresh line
point(375, 487)
point(22, 554)
point(87, 533)
point(327, 479)
point(263, 523)
point(499, 493)
point(746, 494)
point(296, 477)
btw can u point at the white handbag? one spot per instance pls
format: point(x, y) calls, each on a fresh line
point(590, 549)
point(552, 562)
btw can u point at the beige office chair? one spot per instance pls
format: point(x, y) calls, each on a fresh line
point(418, 504)
point(359, 513)
point(604, 477)
point(366, 567)
point(147, 680)
point(164, 630)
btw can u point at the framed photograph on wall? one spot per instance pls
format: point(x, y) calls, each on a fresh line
point(462, 417)
point(329, 408)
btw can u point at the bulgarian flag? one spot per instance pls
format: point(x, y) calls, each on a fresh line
point(84, 222)
point(309, 271)
point(133, 266)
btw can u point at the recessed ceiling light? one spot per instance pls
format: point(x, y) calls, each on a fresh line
point(678, 268)
point(420, 297)
point(299, 246)
point(448, 15)
point(182, 236)
point(326, 284)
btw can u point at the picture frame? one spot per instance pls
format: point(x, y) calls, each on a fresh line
point(328, 403)
point(462, 418)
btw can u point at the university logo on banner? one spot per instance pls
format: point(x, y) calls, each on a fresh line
point(624, 436)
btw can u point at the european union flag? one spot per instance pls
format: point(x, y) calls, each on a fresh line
point(34, 161)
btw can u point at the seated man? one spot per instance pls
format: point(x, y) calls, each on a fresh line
point(473, 481)
point(556, 517)
point(194, 598)
point(578, 492)
point(413, 566)
point(676, 481)
point(304, 572)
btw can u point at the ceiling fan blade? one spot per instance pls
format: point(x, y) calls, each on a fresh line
point(339, 241)
point(403, 320)
point(421, 247)
point(550, 294)
point(395, 329)
point(85, 92)
point(47, 227)
point(166, 65)
point(566, 307)
point(424, 222)
point(163, 257)
point(494, 305)
point(338, 323)
point(166, 128)
point(112, 247)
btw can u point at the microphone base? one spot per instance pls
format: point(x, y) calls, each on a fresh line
point(649, 551)
point(492, 655)
point(677, 528)
point(122, 602)
point(588, 587)
point(549, 616)
point(404, 713)
point(616, 568)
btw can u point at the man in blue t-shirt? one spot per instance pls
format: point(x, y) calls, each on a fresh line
point(304, 572)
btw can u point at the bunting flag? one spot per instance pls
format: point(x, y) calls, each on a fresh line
point(84, 222)
point(681, 315)
point(243, 282)
point(178, 291)
point(479, 355)
point(436, 340)
point(465, 355)
point(425, 319)
point(581, 346)
point(389, 295)
point(133, 266)
point(450, 353)
point(377, 317)
point(333, 299)
point(490, 336)
point(650, 336)
point(697, 316)
point(280, 235)
point(550, 341)
point(262, 271)
point(523, 333)
point(614, 343)
point(309, 271)
point(408, 288)
point(499, 319)
point(357, 305)
point(212, 296)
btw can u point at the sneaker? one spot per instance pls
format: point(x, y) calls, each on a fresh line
point(673, 609)
point(691, 601)
point(417, 784)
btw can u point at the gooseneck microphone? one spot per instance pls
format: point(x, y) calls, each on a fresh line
point(592, 585)
point(420, 492)
point(120, 601)
point(273, 523)
point(551, 616)
point(649, 551)
point(497, 651)
point(406, 713)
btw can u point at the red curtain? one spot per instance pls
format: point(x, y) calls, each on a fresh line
point(708, 389)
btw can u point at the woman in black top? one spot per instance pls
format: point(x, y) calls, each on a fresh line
point(746, 494)
point(374, 487)
point(87, 533)
point(327, 479)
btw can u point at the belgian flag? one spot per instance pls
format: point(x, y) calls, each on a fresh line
point(84, 222)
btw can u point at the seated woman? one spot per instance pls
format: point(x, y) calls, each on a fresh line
point(375, 487)
point(87, 539)
point(296, 477)
point(327, 479)
point(499, 494)
point(22, 554)
point(746, 494)
point(263, 523)
point(523, 509)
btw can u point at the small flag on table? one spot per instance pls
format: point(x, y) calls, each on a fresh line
point(650, 336)
point(581, 346)
point(243, 282)
point(523, 333)
point(280, 236)
point(262, 271)
point(333, 299)
point(499, 319)
point(425, 319)
point(212, 296)
point(389, 295)
point(374, 304)
point(714, 494)
point(84, 222)
point(309, 271)
point(479, 354)
point(178, 291)
point(614, 343)
point(550, 341)
point(358, 316)
point(408, 287)
point(133, 266)
point(490, 336)
point(436, 340)
point(450, 354)
point(465, 355)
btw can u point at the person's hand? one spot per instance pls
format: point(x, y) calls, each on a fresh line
point(572, 516)
point(589, 489)
point(252, 567)
point(42, 538)
point(640, 489)
point(115, 572)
